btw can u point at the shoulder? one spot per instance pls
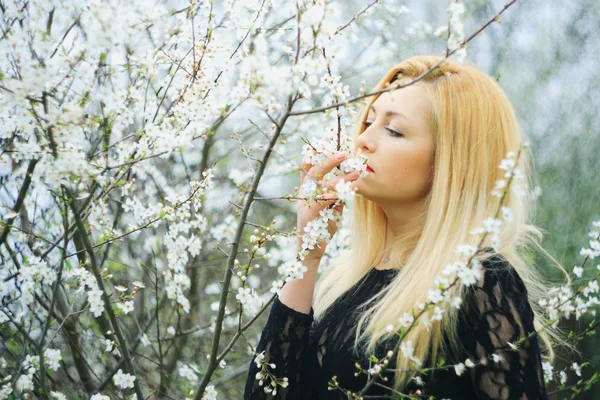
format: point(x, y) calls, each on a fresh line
point(500, 286)
point(498, 274)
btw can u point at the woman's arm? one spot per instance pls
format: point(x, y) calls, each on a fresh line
point(298, 294)
point(285, 337)
point(284, 341)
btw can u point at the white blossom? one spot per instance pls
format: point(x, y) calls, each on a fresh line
point(189, 371)
point(52, 357)
point(498, 189)
point(466, 250)
point(577, 368)
point(437, 314)
point(259, 358)
point(96, 302)
point(407, 349)
point(243, 295)
point(548, 371)
point(507, 214)
point(456, 302)
point(24, 383)
point(345, 192)
point(294, 270)
point(276, 286)
point(126, 306)
point(469, 276)
point(456, 10)
point(406, 320)
point(563, 377)
point(145, 341)
point(123, 380)
point(418, 381)
point(435, 296)
point(592, 287)
point(5, 391)
point(210, 393)
point(459, 369)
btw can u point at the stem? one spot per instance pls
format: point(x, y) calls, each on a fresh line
point(113, 319)
point(19, 202)
point(213, 363)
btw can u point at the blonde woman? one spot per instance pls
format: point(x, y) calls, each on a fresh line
point(434, 150)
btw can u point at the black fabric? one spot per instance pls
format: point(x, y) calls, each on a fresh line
point(494, 311)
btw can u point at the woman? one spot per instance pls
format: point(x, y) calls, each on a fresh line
point(434, 150)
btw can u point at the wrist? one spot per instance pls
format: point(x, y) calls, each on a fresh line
point(310, 256)
point(315, 254)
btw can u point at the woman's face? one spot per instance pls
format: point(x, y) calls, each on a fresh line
point(402, 165)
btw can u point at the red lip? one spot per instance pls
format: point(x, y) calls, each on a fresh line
point(369, 168)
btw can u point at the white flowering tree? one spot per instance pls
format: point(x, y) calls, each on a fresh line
point(147, 149)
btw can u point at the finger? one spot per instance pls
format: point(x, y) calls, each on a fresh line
point(324, 200)
point(319, 171)
point(337, 208)
point(349, 177)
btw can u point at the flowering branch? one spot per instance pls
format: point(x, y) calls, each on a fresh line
point(228, 274)
point(417, 79)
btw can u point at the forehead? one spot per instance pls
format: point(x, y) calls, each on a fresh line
point(411, 101)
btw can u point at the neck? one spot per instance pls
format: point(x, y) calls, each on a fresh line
point(401, 216)
point(398, 220)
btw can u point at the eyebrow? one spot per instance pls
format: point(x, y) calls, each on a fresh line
point(389, 113)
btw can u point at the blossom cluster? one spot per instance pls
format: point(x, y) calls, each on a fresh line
point(265, 376)
point(457, 33)
point(563, 301)
point(123, 380)
point(210, 393)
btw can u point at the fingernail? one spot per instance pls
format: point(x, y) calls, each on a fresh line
point(340, 156)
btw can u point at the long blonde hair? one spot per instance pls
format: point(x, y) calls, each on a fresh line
point(474, 127)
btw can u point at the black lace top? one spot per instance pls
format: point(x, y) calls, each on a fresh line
point(494, 311)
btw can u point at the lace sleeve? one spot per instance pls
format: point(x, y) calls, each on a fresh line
point(284, 341)
point(497, 311)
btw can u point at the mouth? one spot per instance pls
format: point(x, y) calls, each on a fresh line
point(369, 169)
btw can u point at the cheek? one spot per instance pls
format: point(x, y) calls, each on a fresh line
point(414, 161)
point(413, 166)
point(422, 156)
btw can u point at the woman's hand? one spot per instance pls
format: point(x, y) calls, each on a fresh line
point(326, 196)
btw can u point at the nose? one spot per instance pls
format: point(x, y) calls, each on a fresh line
point(365, 142)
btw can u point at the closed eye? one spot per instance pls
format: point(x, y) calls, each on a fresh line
point(391, 131)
